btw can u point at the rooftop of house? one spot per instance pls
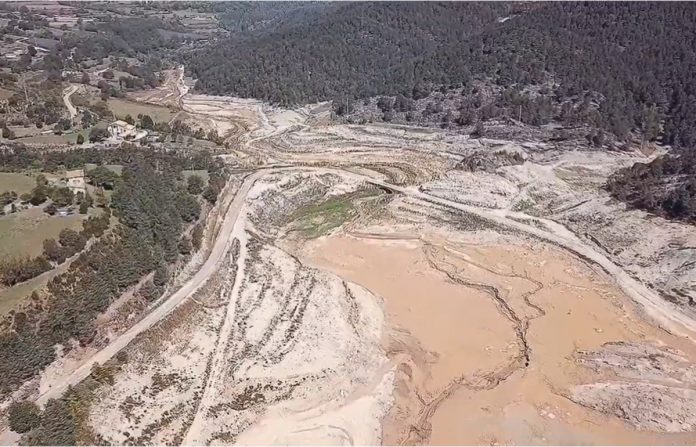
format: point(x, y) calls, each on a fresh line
point(74, 173)
point(124, 124)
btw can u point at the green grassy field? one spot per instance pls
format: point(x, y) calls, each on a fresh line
point(45, 139)
point(23, 233)
point(47, 227)
point(19, 183)
point(121, 107)
point(318, 219)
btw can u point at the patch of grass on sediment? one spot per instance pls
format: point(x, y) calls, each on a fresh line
point(320, 218)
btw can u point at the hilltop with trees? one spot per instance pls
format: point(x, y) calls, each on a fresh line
point(621, 67)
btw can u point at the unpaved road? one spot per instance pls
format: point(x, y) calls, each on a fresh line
point(219, 249)
point(216, 376)
point(67, 93)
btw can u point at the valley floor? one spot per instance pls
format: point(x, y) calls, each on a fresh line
point(363, 288)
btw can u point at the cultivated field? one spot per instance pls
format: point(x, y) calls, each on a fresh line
point(19, 183)
point(121, 107)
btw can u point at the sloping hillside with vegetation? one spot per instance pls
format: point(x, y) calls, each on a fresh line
point(632, 62)
point(666, 186)
point(153, 207)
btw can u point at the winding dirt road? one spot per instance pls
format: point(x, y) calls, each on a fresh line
point(67, 93)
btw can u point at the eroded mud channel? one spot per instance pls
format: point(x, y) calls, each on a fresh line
point(496, 338)
point(492, 342)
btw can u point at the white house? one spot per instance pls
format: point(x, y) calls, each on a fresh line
point(121, 129)
point(75, 180)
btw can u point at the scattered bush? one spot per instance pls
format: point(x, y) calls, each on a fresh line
point(211, 194)
point(197, 236)
point(62, 197)
point(149, 291)
point(161, 275)
point(72, 241)
point(185, 246)
point(666, 186)
point(38, 195)
point(188, 207)
point(96, 135)
point(95, 226)
point(50, 209)
point(18, 270)
point(53, 251)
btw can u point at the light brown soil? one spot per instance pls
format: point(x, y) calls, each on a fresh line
point(461, 353)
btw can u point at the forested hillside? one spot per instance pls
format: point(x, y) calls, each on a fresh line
point(632, 61)
point(152, 208)
point(354, 49)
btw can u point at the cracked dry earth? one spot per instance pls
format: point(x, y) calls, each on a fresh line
point(371, 293)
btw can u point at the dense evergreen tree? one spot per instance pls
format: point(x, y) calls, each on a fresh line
point(194, 184)
point(151, 207)
point(23, 416)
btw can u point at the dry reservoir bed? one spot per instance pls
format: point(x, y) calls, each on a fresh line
point(345, 315)
point(462, 373)
point(420, 311)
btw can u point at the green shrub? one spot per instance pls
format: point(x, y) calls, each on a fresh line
point(23, 416)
